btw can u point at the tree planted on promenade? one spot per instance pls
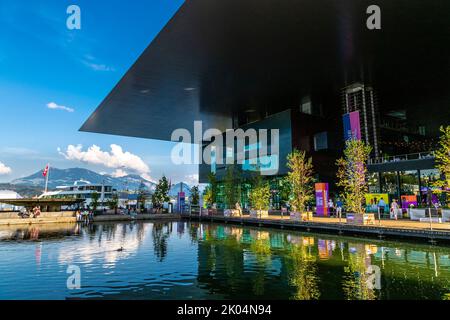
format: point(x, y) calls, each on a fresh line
point(300, 178)
point(210, 192)
point(195, 195)
point(141, 197)
point(232, 186)
point(260, 194)
point(442, 155)
point(161, 193)
point(113, 203)
point(352, 172)
point(95, 200)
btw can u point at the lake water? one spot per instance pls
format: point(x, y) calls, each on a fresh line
point(187, 260)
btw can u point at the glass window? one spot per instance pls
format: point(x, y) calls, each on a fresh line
point(321, 141)
point(389, 183)
point(374, 184)
point(409, 182)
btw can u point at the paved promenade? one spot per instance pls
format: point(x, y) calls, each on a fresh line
point(386, 228)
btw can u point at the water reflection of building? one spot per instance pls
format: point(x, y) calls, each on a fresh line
point(326, 248)
point(106, 243)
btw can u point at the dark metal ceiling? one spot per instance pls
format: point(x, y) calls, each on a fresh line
point(216, 58)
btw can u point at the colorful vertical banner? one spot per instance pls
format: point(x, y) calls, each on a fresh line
point(352, 128)
point(321, 199)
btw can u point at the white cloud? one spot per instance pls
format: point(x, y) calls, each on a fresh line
point(4, 169)
point(118, 173)
point(89, 61)
point(98, 67)
point(146, 176)
point(116, 158)
point(54, 106)
point(192, 179)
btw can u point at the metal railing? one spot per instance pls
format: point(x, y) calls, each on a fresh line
point(403, 157)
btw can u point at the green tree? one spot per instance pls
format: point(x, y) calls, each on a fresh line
point(195, 195)
point(352, 172)
point(208, 196)
point(161, 193)
point(210, 192)
point(232, 186)
point(300, 178)
point(141, 197)
point(260, 194)
point(95, 200)
point(442, 155)
point(284, 190)
point(113, 203)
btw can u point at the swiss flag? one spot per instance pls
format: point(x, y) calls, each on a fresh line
point(44, 173)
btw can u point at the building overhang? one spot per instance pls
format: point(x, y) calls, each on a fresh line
point(216, 60)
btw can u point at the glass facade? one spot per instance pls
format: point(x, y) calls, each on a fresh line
point(373, 180)
point(409, 182)
point(417, 183)
point(389, 183)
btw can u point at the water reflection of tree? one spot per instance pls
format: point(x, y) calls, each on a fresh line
point(356, 281)
point(161, 233)
point(261, 248)
point(302, 273)
point(193, 231)
point(233, 261)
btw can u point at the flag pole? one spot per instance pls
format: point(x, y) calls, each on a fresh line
point(46, 177)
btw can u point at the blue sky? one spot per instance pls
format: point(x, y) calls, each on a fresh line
point(43, 62)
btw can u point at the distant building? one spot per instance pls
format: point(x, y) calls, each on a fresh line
point(82, 190)
point(8, 194)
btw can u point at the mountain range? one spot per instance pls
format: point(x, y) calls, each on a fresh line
point(67, 177)
point(34, 184)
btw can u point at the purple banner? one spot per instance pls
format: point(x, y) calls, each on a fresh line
point(352, 129)
point(322, 199)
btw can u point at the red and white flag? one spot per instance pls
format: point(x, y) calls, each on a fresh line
point(44, 173)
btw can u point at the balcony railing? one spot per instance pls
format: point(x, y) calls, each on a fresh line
point(403, 157)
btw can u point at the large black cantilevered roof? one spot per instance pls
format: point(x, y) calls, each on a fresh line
point(218, 58)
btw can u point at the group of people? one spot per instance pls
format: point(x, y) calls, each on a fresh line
point(85, 215)
point(130, 212)
point(381, 204)
point(34, 213)
point(335, 210)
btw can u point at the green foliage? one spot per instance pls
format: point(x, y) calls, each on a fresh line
point(208, 196)
point(232, 186)
point(260, 194)
point(352, 171)
point(142, 196)
point(300, 179)
point(94, 202)
point(210, 192)
point(302, 273)
point(442, 155)
point(113, 203)
point(161, 193)
point(195, 195)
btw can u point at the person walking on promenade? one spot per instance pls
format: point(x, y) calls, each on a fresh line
point(339, 206)
point(394, 209)
point(238, 208)
point(331, 207)
point(381, 205)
